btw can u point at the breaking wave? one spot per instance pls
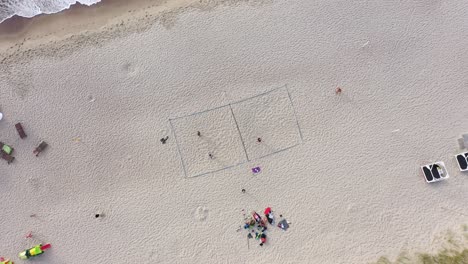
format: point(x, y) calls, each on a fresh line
point(31, 8)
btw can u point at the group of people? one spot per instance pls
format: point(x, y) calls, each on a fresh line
point(258, 225)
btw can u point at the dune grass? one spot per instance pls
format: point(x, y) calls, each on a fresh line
point(443, 257)
point(454, 251)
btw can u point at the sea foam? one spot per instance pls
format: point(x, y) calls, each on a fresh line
point(31, 8)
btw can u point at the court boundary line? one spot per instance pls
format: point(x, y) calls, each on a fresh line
point(285, 86)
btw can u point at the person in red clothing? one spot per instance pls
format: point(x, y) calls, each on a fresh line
point(269, 215)
point(263, 239)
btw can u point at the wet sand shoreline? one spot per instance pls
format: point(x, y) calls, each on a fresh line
point(40, 29)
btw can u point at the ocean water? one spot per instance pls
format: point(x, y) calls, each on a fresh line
point(30, 8)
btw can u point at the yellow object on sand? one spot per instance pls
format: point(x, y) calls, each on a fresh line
point(31, 252)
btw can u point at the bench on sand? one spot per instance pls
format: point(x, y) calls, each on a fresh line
point(40, 148)
point(462, 160)
point(7, 157)
point(435, 172)
point(20, 130)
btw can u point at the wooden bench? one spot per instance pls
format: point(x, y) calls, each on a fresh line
point(20, 130)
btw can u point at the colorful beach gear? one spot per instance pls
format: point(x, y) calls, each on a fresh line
point(5, 261)
point(5, 148)
point(257, 217)
point(257, 227)
point(256, 170)
point(34, 251)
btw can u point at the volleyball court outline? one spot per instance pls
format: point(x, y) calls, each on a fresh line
point(294, 112)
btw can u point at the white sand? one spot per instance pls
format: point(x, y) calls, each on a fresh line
point(352, 188)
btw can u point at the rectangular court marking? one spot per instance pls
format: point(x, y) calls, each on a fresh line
point(188, 168)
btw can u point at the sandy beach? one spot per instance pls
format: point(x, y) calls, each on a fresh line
point(102, 85)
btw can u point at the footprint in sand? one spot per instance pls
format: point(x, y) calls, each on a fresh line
point(35, 183)
point(129, 68)
point(351, 208)
point(201, 213)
